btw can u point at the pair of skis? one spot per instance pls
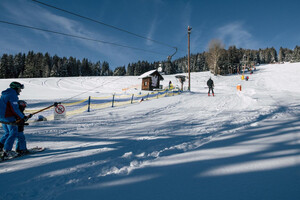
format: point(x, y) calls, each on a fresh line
point(13, 154)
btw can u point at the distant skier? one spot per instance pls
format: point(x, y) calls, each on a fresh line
point(171, 86)
point(210, 84)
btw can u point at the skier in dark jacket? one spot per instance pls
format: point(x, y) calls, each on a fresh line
point(9, 115)
point(21, 148)
point(210, 84)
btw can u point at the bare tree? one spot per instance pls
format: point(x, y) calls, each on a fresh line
point(215, 49)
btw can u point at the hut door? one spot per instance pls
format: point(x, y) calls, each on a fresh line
point(146, 83)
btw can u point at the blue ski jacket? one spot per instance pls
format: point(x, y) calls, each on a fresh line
point(9, 108)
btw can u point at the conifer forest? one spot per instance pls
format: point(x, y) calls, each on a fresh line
point(228, 61)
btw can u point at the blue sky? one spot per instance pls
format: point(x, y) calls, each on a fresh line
point(247, 24)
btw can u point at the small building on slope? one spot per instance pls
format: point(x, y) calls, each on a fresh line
point(151, 80)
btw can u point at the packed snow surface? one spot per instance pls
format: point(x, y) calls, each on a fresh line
point(237, 145)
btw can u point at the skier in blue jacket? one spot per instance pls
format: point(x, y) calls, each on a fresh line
point(10, 114)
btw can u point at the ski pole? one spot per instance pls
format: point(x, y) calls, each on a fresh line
point(55, 105)
point(19, 121)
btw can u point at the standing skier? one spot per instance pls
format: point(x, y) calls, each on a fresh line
point(21, 148)
point(9, 114)
point(210, 84)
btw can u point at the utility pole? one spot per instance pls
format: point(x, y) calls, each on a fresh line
point(189, 32)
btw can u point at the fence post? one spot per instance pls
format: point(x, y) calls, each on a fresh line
point(148, 96)
point(89, 103)
point(112, 105)
point(132, 98)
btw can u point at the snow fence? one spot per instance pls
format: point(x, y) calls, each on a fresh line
point(94, 103)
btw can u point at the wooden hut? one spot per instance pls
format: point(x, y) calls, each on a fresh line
point(151, 80)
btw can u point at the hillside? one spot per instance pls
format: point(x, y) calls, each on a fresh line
point(236, 145)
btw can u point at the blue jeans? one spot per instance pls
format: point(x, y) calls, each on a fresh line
point(10, 134)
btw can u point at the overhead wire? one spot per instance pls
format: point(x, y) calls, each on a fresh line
point(111, 26)
point(79, 37)
point(39, 29)
point(102, 23)
point(91, 39)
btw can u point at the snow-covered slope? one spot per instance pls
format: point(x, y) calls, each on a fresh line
point(236, 145)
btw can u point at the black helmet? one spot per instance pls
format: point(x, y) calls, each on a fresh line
point(16, 85)
point(22, 103)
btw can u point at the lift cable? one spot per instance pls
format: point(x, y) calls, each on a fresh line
point(105, 24)
point(67, 99)
point(80, 37)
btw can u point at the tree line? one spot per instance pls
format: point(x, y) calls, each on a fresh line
point(217, 59)
point(222, 61)
point(34, 65)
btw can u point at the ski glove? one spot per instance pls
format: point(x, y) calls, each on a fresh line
point(27, 117)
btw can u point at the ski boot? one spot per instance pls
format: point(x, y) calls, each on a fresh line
point(22, 152)
point(7, 154)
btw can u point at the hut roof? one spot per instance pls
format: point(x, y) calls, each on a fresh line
point(150, 73)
